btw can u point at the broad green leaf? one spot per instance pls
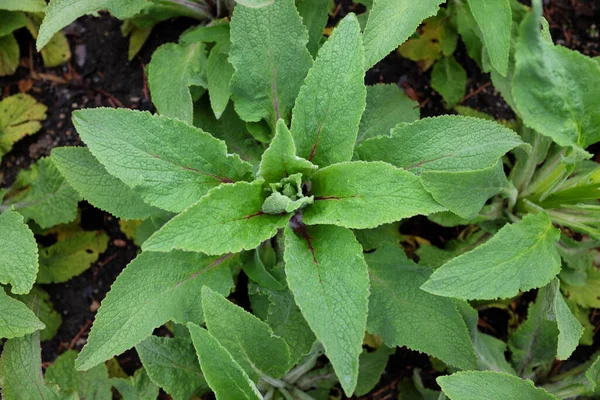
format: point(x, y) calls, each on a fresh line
point(465, 192)
point(446, 143)
point(326, 272)
point(42, 194)
point(153, 289)
point(170, 164)
point(270, 62)
point(16, 319)
point(24, 5)
point(218, 75)
point(93, 384)
point(45, 311)
point(477, 385)
point(255, 3)
point(534, 343)
point(366, 194)
point(102, 190)
point(391, 22)
point(11, 21)
point(280, 161)
point(327, 112)
point(229, 128)
point(9, 55)
point(61, 13)
point(171, 363)
point(555, 88)
point(20, 115)
point(520, 256)
point(449, 79)
point(370, 367)
point(494, 19)
point(223, 374)
point(489, 350)
point(173, 69)
point(387, 106)
point(71, 257)
point(249, 340)
point(256, 271)
point(404, 315)
point(570, 330)
point(314, 15)
point(18, 253)
point(136, 387)
point(435, 257)
point(21, 370)
point(228, 219)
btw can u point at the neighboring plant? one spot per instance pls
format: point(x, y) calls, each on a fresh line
point(18, 14)
point(293, 171)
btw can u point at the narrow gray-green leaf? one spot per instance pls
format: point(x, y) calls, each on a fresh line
point(555, 89)
point(170, 164)
point(228, 219)
point(449, 79)
point(153, 289)
point(314, 15)
point(269, 54)
point(404, 315)
point(364, 195)
point(570, 330)
point(223, 374)
point(391, 22)
point(102, 190)
point(249, 340)
point(477, 385)
point(61, 13)
point(16, 319)
point(218, 75)
point(172, 365)
point(465, 192)
point(171, 72)
point(327, 112)
point(520, 256)
point(494, 19)
point(446, 143)
point(327, 273)
point(280, 160)
point(18, 253)
point(387, 106)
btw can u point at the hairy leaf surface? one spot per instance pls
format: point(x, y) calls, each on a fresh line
point(520, 256)
point(228, 219)
point(153, 289)
point(102, 190)
point(391, 22)
point(269, 54)
point(170, 164)
point(404, 315)
point(366, 194)
point(16, 319)
point(327, 273)
point(93, 384)
point(328, 109)
point(18, 253)
point(223, 374)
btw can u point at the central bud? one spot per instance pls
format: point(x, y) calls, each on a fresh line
point(287, 196)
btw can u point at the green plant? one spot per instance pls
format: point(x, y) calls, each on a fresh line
point(297, 175)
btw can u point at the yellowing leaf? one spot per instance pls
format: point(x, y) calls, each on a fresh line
point(20, 115)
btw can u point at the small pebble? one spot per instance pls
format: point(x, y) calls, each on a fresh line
point(119, 243)
point(94, 306)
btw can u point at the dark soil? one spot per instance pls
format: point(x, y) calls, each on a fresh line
point(99, 74)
